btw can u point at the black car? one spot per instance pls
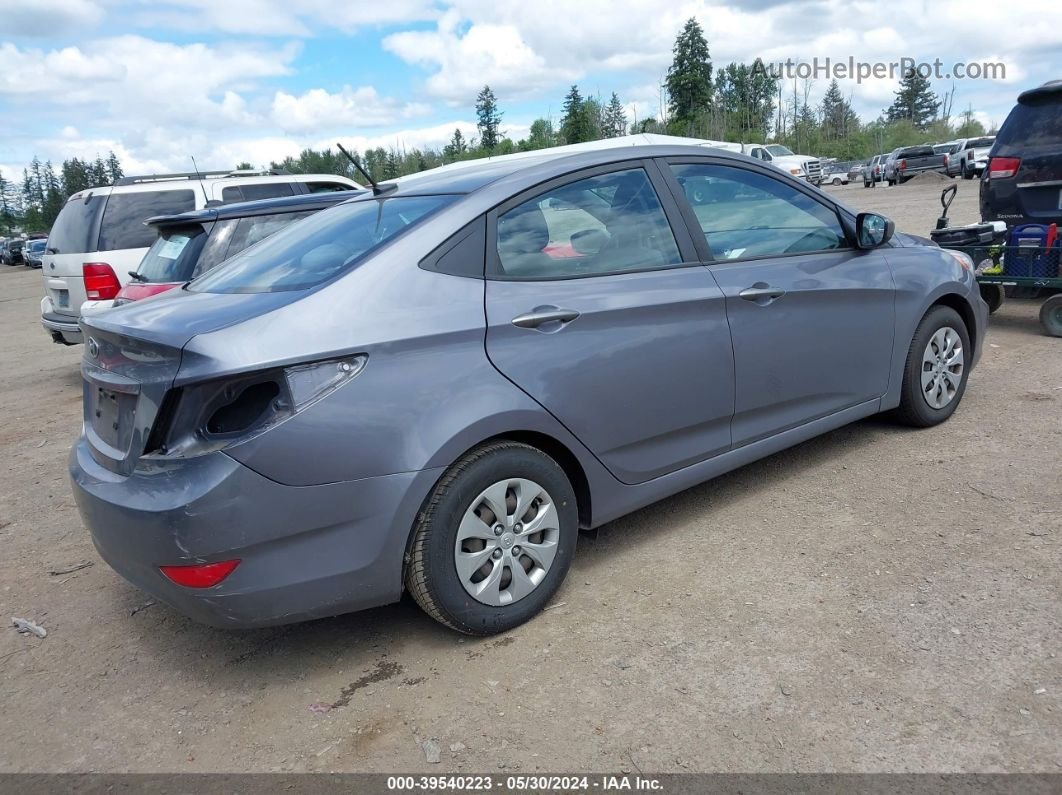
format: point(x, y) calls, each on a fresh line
point(1023, 182)
point(12, 252)
point(189, 244)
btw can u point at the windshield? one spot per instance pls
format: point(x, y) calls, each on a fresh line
point(173, 255)
point(318, 248)
point(37, 246)
point(778, 149)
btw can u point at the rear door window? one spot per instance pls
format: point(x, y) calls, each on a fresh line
point(123, 220)
point(76, 230)
point(173, 255)
point(609, 223)
point(264, 190)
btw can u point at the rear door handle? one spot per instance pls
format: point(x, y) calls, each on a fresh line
point(544, 314)
point(762, 293)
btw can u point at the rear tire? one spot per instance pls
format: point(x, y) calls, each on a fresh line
point(458, 529)
point(933, 385)
point(967, 173)
point(1051, 316)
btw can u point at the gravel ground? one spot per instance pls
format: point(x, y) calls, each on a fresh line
point(878, 599)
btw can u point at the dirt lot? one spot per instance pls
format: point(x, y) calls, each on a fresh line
point(878, 599)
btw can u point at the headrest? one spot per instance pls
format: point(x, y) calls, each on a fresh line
point(523, 230)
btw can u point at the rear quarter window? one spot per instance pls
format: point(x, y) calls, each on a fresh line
point(265, 190)
point(123, 220)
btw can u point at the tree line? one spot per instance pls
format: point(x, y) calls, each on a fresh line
point(33, 204)
point(739, 102)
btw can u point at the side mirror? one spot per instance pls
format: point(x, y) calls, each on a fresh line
point(873, 230)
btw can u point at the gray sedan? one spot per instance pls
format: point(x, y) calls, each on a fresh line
point(434, 386)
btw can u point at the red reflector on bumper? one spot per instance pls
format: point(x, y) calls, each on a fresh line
point(202, 575)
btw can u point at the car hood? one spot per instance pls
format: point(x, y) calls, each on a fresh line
point(908, 241)
point(176, 316)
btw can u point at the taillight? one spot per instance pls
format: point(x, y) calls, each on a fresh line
point(1003, 167)
point(902, 165)
point(212, 415)
point(100, 282)
point(201, 575)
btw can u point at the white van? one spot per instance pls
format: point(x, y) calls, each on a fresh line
point(100, 236)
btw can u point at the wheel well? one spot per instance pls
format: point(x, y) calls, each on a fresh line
point(567, 461)
point(960, 305)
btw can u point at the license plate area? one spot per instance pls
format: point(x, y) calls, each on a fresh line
point(111, 415)
point(62, 299)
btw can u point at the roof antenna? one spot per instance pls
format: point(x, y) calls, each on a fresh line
point(376, 189)
point(202, 187)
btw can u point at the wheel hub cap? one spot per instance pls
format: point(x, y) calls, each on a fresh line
point(943, 362)
point(500, 569)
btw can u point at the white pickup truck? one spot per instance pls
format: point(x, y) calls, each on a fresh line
point(782, 157)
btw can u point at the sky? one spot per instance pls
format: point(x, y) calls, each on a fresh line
point(225, 81)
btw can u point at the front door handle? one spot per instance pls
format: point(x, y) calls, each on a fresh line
point(544, 314)
point(762, 293)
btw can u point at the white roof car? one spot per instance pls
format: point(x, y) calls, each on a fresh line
point(100, 236)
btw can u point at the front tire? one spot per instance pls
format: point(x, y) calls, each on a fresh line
point(938, 362)
point(494, 540)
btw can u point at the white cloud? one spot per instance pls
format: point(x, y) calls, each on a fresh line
point(318, 109)
point(135, 80)
point(280, 17)
point(49, 18)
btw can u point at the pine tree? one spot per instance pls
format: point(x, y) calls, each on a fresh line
point(576, 124)
point(614, 118)
point(915, 101)
point(689, 79)
point(838, 118)
point(114, 168)
point(8, 206)
point(457, 146)
point(489, 119)
point(390, 169)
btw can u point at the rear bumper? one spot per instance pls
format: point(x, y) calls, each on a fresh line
point(306, 552)
point(62, 328)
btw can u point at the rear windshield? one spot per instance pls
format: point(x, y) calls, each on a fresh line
point(1031, 126)
point(36, 245)
point(318, 248)
point(123, 220)
point(916, 151)
point(173, 255)
point(979, 143)
point(77, 227)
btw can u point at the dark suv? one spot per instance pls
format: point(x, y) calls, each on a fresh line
point(1023, 182)
point(191, 243)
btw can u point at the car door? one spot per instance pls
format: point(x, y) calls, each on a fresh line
point(599, 309)
point(811, 318)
